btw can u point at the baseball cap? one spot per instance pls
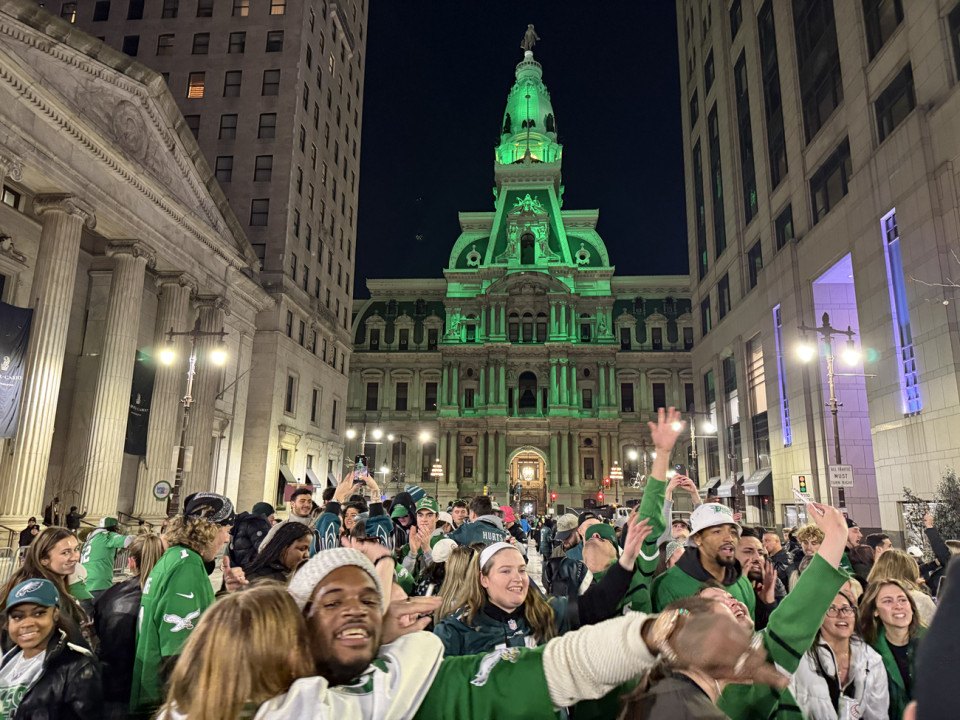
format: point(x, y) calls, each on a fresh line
point(710, 515)
point(441, 549)
point(915, 552)
point(38, 591)
point(428, 503)
point(566, 524)
point(445, 517)
point(851, 523)
point(680, 521)
point(586, 515)
point(604, 531)
point(211, 507)
point(108, 522)
point(398, 511)
point(508, 515)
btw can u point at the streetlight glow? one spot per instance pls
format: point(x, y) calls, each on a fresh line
point(676, 426)
point(351, 433)
point(377, 433)
point(653, 455)
point(708, 427)
point(168, 355)
point(218, 356)
point(390, 437)
point(424, 436)
point(851, 356)
point(632, 455)
point(806, 352)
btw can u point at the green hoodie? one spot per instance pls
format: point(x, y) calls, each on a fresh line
point(899, 697)
point(651, 508)
point(688, 576)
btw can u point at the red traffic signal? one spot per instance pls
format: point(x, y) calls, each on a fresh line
point(600, 496)
point(606, 482)
point(553, 497)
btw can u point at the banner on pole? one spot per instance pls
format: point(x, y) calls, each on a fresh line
point(141, 393)
point(14, 339)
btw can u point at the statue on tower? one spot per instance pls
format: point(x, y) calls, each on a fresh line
point(530, 39)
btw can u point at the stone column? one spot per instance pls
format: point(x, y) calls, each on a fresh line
point(453, 447)
point(613, 384)
point(601, 377)
point(111, 400)
point(482, 396)
point(502, 330)
point(455, 384)
point(482, 458)
point(554, 462)
point(62, 218)
point(575, 464)
point(604, 456)
point(564, 460)
point(553, 320)
point(554, 384)
point(503, 382)
point(564, 382)
point(211, 309)
point(442, 448)
point(574, 396)
point(501, 456)
point(444, 384)
point(492, 478)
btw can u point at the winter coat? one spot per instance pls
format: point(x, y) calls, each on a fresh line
point(69, 688)
point(115, 617)
point(494, 629)
point(248, 532)
point(784, 566)
point(271, 572)
point(865, 694)
point(685, 578)
point(899, 697)
point(73, 520)
point(486, 529)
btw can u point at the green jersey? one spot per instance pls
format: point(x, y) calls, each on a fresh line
point(177, 592)
point(98, 555)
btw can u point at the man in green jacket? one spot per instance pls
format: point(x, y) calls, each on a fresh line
point(710, 556)
point(484, 526)
point(98, 554)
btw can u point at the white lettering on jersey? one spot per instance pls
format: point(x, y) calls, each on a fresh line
point(184, 554)
point(146, 586)
point(181, 623)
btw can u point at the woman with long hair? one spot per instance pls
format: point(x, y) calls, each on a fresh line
point(456, 578)
point(282, 555)
point(499, 609)
point(890, 624)
point(898, 565)
point(54, 555)
point(177, 592)
point(217, 679)
point(115, 617)
point(840, 676)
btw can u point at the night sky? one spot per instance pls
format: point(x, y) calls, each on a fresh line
point(437, 77)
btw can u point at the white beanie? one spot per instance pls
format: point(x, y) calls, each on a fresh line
point(441, 551)
point(313, 572)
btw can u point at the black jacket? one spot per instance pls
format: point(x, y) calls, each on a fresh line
point(69, 687)
point(73, 520)
point(245, 538)
point(115, 617)
point(784, 565)
point(269, 572)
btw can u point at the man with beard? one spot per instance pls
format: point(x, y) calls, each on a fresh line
point(372, 664)
point(710, 555)
point(762, 574)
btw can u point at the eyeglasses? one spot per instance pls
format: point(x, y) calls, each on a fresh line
point(845, 611)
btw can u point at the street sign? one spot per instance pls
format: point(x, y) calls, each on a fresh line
point(161, 491)
point(841, 476)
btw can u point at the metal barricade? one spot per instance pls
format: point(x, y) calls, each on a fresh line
point(9, 562)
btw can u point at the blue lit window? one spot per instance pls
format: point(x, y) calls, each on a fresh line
point(900, 311)
point(782, 380)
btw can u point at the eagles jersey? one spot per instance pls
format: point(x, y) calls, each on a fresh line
point(177, 592)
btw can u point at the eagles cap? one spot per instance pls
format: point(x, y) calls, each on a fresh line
point(38, 591)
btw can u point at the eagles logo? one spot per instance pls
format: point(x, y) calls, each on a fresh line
point(489, 662)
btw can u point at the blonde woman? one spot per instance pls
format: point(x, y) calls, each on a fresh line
point(900, 566)
point(177, 592)
point(810, 537)
point(455, 581)
point(115, 617)
point(217, 679)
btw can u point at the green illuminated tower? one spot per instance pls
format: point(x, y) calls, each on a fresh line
point(529, 362)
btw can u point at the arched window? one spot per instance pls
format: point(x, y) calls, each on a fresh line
point(541, 327)
point(527, 327)
point(527, 249)
point(527, 389)
point(513, 327)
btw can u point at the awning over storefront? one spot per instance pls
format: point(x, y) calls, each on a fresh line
point(288, 482)
point(759, 483)
point(332, 479)
point(312, 478)
point(710, 487)
point(726, 488)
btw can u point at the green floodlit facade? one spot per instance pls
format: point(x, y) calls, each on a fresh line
point(529, 362)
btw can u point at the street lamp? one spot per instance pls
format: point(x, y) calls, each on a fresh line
point(436, 472)
point(616, 477)
point(807, 352)
point(218, 356)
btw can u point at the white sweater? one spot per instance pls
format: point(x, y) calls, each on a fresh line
point(867, 676)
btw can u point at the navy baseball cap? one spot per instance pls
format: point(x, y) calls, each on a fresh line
point(38, 591)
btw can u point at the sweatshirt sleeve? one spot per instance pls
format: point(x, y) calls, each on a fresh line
point(588, 663)
point(665, 536)
point(939, 547)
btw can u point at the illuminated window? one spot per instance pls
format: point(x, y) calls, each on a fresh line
point(278, 7)
point(195, 85)
point(900, 311)
point(241, 8)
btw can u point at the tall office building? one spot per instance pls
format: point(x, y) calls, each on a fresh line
point(820, 145)
point(272, 90)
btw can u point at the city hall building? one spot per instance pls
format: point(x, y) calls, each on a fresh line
point(529, 363)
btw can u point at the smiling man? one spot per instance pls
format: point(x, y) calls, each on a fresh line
point(710, 555)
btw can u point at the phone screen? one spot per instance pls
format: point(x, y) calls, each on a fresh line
point(806, 501)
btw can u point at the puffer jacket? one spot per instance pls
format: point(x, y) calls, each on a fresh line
point(69, 687)
point(864, 696)
point(115, 617)
point(248, 532)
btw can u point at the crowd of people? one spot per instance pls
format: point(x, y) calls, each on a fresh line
point(368, 607)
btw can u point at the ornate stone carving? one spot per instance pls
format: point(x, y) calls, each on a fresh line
point(10, 167)
point(176, 277)
point(65, 203)
point(218, 302)
point(135, 248)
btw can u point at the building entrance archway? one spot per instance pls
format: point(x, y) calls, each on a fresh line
point(528, 481)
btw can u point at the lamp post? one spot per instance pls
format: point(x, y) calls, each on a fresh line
point(218, 356)
point(850, 356)
point(436, 472)
point(616, 477)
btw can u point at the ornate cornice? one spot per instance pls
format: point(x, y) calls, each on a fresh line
point(10, 167)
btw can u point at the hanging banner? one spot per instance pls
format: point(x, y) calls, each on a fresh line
point(14, 338)
point(141, 392)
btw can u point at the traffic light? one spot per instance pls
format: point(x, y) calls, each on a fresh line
point(803, 484)
point(553, 497)
point(600, 496)
point(606, 482)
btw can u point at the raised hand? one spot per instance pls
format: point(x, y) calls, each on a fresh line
point(928, 520)
point(407, 616)
point(768, 588)
point(345, 488)
point(636, 532)
point(666, 430)
point(834, 526)
point(233, 577)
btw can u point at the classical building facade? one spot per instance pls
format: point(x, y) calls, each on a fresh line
point(272, 91)
point(821, 140)
point(530, 363)
point(114, 231)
